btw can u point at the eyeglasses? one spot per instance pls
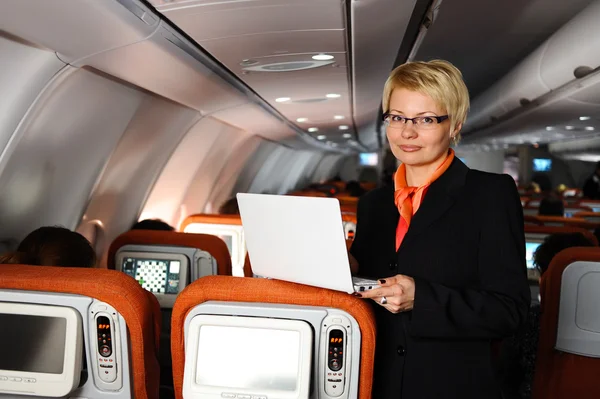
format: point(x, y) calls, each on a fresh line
point(420, 122)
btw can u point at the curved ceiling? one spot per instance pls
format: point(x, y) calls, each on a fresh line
point(301, 56)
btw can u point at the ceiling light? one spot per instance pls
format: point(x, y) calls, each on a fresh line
point(585, 118)
point(338, 117)
point(313, 129)
point(549, 128)
point(322, 57)
point(343, 127)
point(569, 127)
point(347, 136)
point(282, 99)
point(589, 128)
point(300, 120)
point(333, 95)
point(321, 137)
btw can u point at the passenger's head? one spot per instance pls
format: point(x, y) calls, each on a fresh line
point(230, 207)
point(551, 206)
point(555, 243)
point(354, 188)
point(152, 224)
point(17, 258)
point(435, 92)
point(57, 246)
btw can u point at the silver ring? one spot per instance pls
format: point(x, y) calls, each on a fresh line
point(383, 300)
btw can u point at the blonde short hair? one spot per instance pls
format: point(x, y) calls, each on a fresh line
point(439, 79)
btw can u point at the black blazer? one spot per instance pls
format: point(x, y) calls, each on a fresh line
point(465, 248)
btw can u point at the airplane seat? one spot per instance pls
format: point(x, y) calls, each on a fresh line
point(226, 227)
point(538, 233)
point(568, 354)
point(193, 255)
point(154, 238)
point(533, 220)
point(349, 223)
point(102, 317)
point(246, 311)
point(566, 221)
point(592, 217)
point(529, 210)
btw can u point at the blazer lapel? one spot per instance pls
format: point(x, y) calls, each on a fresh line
point(440, 197)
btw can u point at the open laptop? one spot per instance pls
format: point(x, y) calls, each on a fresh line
point(298, 239)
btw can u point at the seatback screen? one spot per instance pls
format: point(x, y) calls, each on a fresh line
point(159, 276)
point(248, 358)
point(530, 248)
point(33, 344)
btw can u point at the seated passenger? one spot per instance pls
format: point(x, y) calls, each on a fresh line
point(551, 206)
point(519, 352)
point(152, 224)
point(17, 258)
point(354, 189)
point(230, 207)
point(57, 246)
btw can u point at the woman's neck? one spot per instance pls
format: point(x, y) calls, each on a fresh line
point(416, 176)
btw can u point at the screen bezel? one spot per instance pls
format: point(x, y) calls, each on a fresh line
point(191, 389)
point(54, 385)
point(165, 300)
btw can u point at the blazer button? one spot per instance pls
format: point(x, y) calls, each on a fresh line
point(401, 350)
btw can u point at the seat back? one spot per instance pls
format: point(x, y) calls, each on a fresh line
point(592, 217)
point(349, 223)
point(568, 354)
point(571, 210)
point(108, 302)
point(204, 242)
point(563, 221)
point(273, 298)
point(228, 228)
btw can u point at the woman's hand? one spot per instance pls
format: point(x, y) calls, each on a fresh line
point(397, 294)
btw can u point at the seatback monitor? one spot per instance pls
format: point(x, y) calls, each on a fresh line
point(530, 248)
point(43, 349)
point(542, 164)
point(368, 159)
point(239, 356)
point(163, 274)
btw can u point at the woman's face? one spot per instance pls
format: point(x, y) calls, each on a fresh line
point(417, 145)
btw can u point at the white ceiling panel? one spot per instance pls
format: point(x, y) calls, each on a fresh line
point(204, 20)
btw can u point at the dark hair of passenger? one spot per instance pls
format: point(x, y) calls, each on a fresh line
point(58, 246)
point(230, 207)
point(152, 224)
point(354, 188)
point(17, 258)
point(555, 243)
point(551, 206)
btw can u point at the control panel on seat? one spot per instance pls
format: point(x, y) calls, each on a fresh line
point(335, 357)
point(334, 384)
point(106, 360)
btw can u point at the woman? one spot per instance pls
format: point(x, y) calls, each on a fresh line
point(447, 245)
